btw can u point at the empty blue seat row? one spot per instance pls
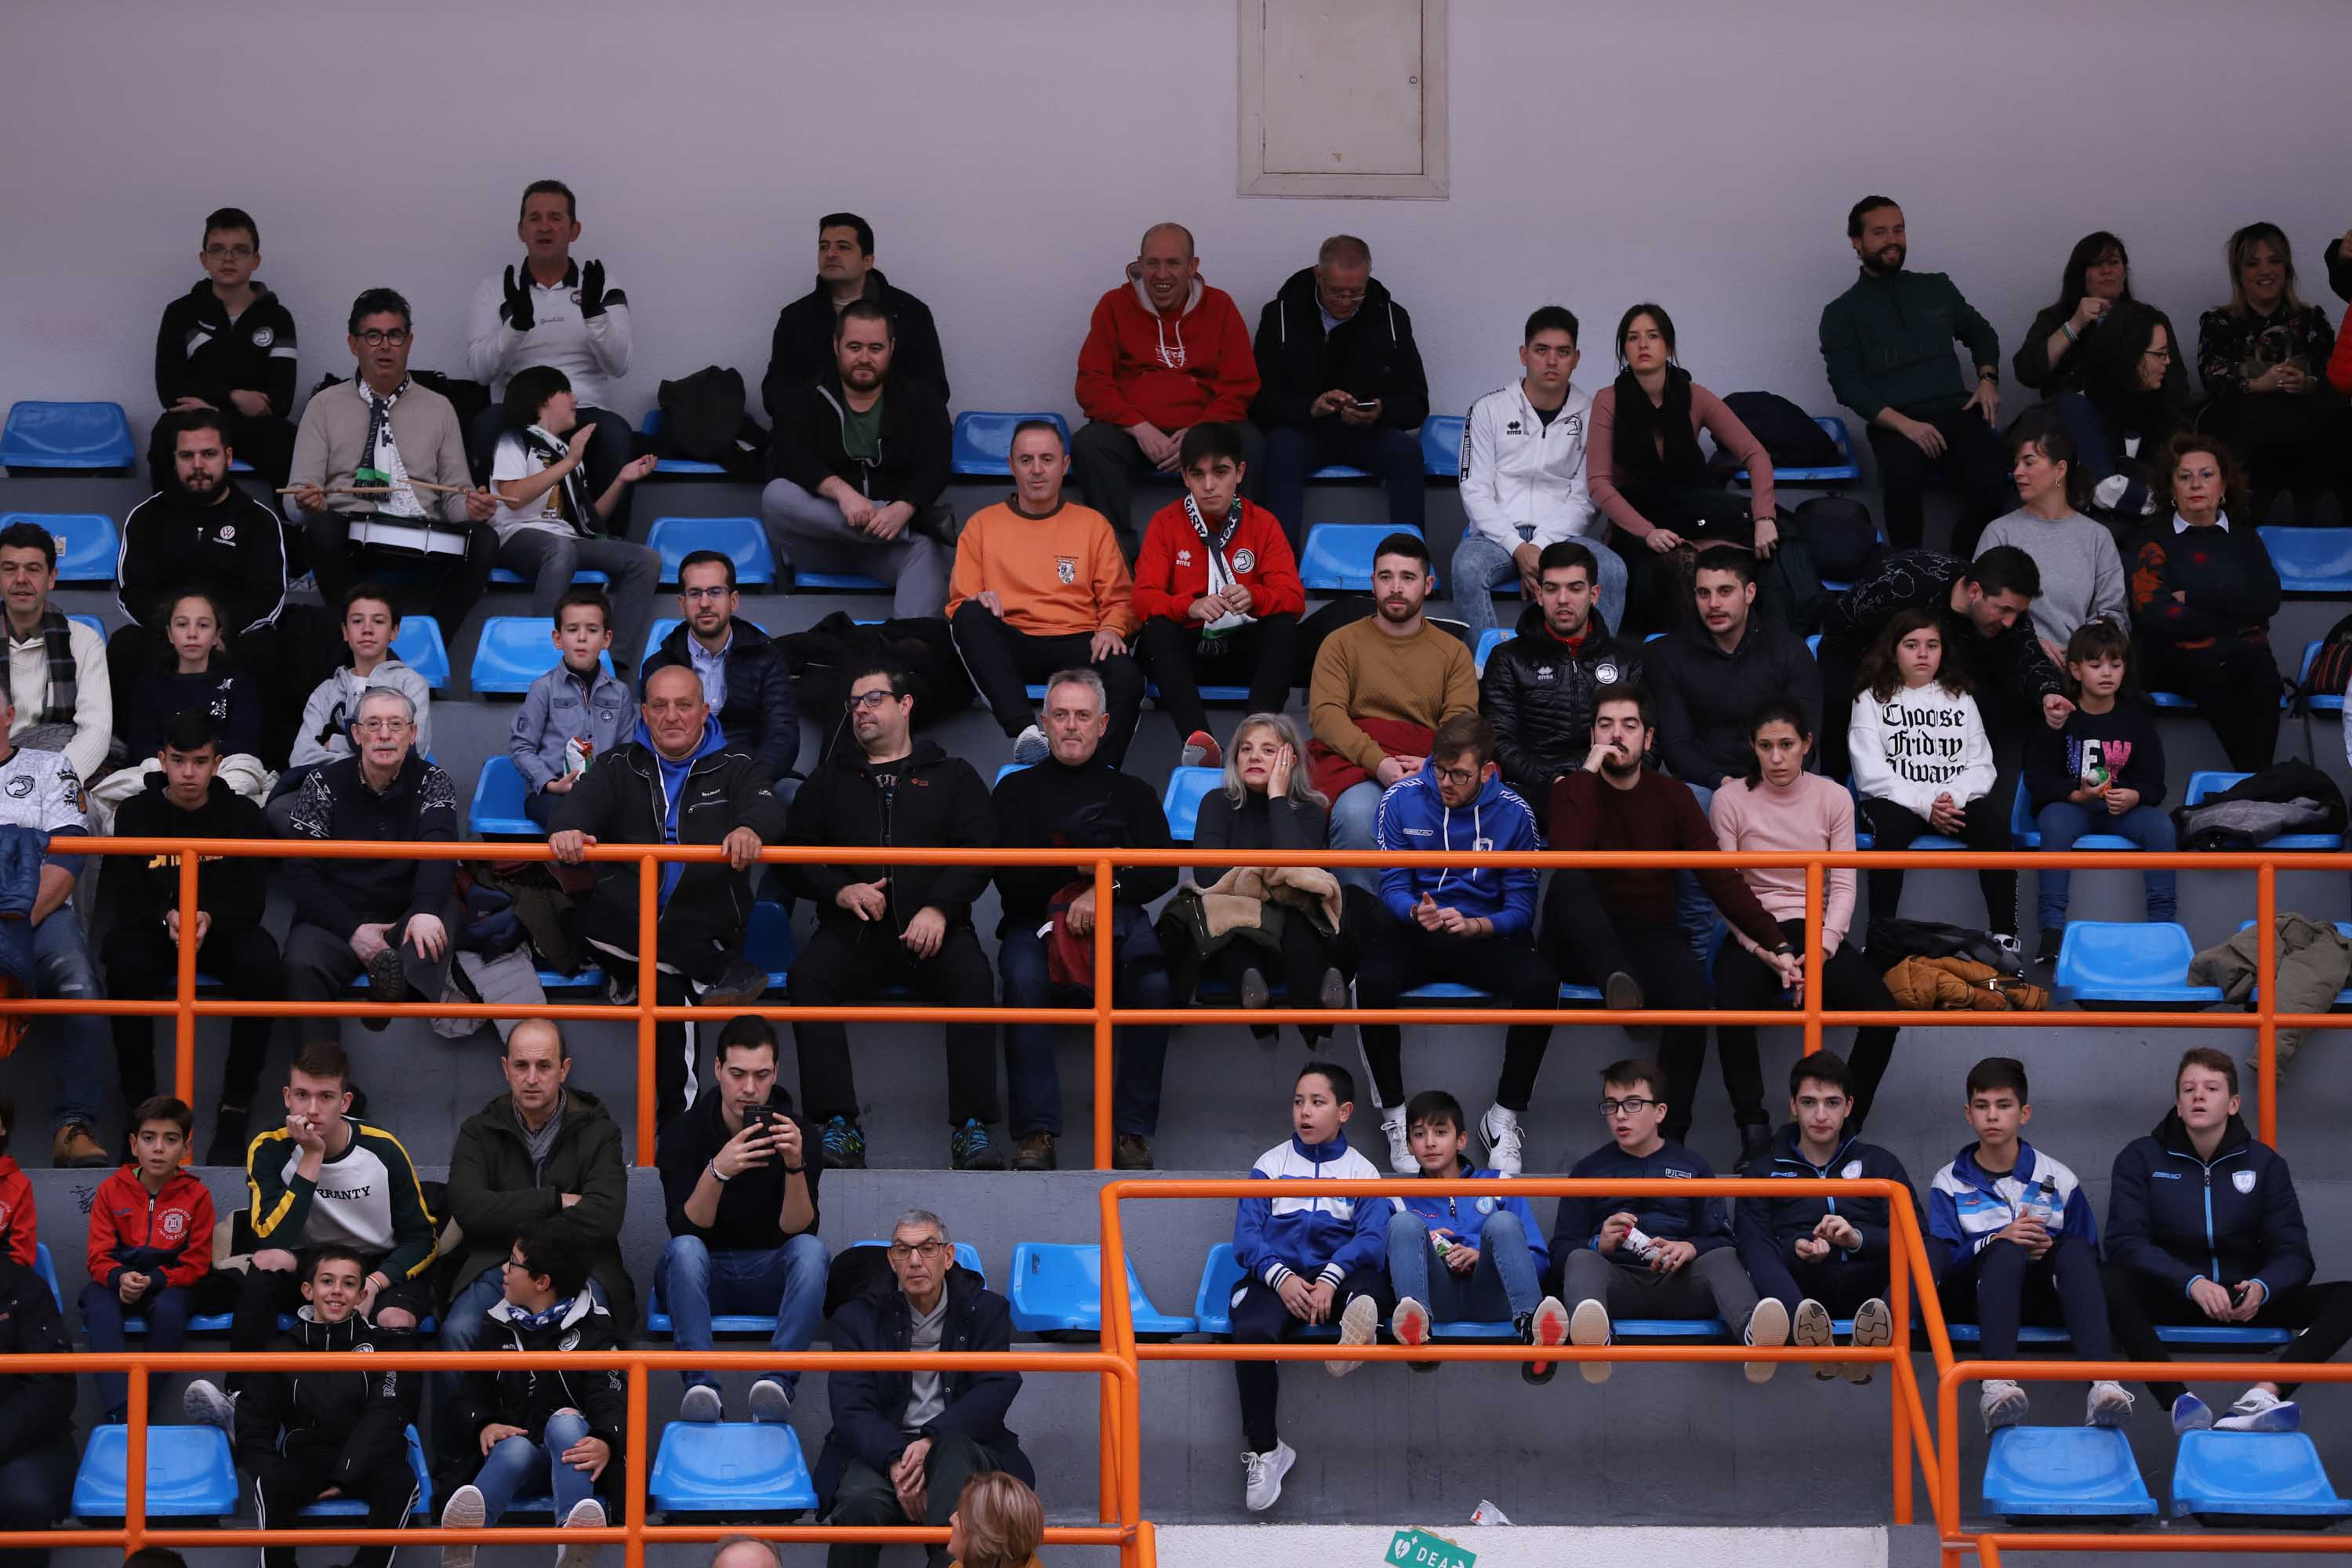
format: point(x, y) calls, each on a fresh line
point(2310, 559)
point(1058, 1289)
point(742, 539)
point(515, 650)
point(2128, 964)
point(419, 645)
point(190, 1474)
point(981, 445)
point(730, 1467)
point(88, 545)
point(46, 436)
point(1339, 555)
point(2224, 1479)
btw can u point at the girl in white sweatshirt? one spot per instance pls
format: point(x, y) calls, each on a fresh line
point(1922, 763)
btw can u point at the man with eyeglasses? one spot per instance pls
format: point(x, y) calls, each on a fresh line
point(904, 1443)
point(744, 676)
point(226, 347)
point(1339, 381)
point(391, 918)
point(879, 926)
point(381, 484)
point(739, 1173)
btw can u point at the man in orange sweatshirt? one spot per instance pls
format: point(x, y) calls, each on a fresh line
point(1040, 584)
point(1163, 352)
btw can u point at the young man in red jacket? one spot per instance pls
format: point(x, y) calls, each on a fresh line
point(151, 1239)
point(19, 1221)
point(1163, 352)
point(1218, 592)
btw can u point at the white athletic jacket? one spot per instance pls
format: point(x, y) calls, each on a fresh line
point(1523, 481)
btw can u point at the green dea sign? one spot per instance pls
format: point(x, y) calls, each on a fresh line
point(1419, 1549)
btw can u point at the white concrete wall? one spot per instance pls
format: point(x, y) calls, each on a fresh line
point(1702, 152)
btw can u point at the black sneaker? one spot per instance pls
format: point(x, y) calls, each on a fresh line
point(388, 985)
point(971, 1149)
point(845, 1144)
point(1755, 1148)
point(2052, 941)
point(742, 984)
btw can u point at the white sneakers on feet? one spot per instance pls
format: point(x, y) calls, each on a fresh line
point(1589, 1325)
point(586, 1514)
point(2001, 1404)
point(205, 1405)
point(1263, 1475)
point(464, 1510)
point(1811, 1327)
point(1499, 1130)
point(2190, 1413)
point(2109, 1404)
point(2258, 1410)
point(1030, 747)
point(1546, 1327)
point(702, 1403)
point(1873, 1326)
point(771, 1402)
point(1768, 1326)
point(1359, 1324)
point(1401, 1158)
point(1409, 1325)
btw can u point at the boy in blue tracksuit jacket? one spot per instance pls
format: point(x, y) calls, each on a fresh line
point(1821, 1256)
point(2203, 1226)
point(1489, 1255)
point(575, 712)
point(2010, 1231)
point(1473, 926)
point(1652, 1257)
point(1305, 1262)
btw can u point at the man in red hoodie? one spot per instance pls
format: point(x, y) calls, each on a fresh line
point(151, 1239)
point(1218, 593)
point(1163, 352)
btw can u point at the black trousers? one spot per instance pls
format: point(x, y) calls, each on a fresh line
point(287, 1483)
point(1589, 944)
point(35, 1487)
point(2235, 685)
point(1973, 463)
point(1305, 956)
point(1401, 955)
point(1003, 663)
point(1984, 826)
point(142, 961)
point(2136, 1304)
point(866, 1497)
point(1789, 1279)
point(445, 587)
point(844, 965)
point(1261, 655)
point(2003, 1287)
point(1745, 983)
point(1261, 1319)
point(320, 967)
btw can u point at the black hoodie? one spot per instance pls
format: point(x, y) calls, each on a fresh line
point(911, 465)
point(936, 801)
point(232, 548)
point(36, 1409)
point(356, 1413)
point(802, 350)
point(200, 352)
point(2173, 1217)
point(133, 892)
point(1371, 354)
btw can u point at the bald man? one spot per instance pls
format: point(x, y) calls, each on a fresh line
point(1164, 353)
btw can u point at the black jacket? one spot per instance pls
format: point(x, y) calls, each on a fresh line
point(1371, 354)
point(2173, 1217)
point(759, 715)
point(335, 802)
point(1539, 697)
point(231, 890)
point(802, 350)
point(160, 694)
point(869, 1407)
point(493, 1190)
point(619, 799)
point(526, 1399)
point(1092, 807)
point(37, 1410)
point(2008, 668)
point(911, 465)
point(234, 550)
point(751, 1203)
point(357, 1415)
point(1771, 1227)
point(200, 352)
point(1708, 698)
point(939, 802)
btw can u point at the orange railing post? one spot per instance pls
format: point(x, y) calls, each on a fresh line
point(1105, 998)
point(134, 1470)
point(2266, 1002)
point(648, 994)
point(1813, 999)
point(183, 1016)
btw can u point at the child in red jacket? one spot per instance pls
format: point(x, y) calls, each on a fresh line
point(151, 1239)
point(18, 1229)
point(1217, 590)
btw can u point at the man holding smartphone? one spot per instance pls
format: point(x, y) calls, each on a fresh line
point(738, 1179)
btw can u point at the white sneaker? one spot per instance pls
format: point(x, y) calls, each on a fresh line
point(586, 1514)
point(2190, 1413)
point(2001, 1404)
point(1410, 1326)
point(1359, 1324)
point(1499, 1130)
point(464, 1510)
point(1548, 1327)
point(2260, 1411)
point(770, 1402)
point(1401, 1158)
point(205, 1405)
point(1767, 1325)
point(1811, 1327)
point(1030, 747)
point(1264, 1473)
point(1589, 1325)
point(1874, 1325)
point(2109, 1404)
point(702, 1403)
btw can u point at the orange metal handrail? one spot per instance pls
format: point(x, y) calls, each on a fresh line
point(1119, 1502)
point(184, 1009)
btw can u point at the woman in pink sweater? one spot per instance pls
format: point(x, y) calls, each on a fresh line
point(1779, 805)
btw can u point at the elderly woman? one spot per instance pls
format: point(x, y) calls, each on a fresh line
point(2263, 358)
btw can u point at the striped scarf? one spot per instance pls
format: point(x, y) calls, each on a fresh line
point(56, 637)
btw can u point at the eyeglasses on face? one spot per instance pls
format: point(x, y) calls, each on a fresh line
point(1631, 1105)
point(376, 339)
point(228, 252)
point(695, 595)
point(925, 1250)
point(381, 726)
point(858, 699)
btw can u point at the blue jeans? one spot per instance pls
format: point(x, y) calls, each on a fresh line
point(789, 1281)
point(2063, 822)
point(1295, 451)
point(61, 967)
point(1694, 909)
point(1355, 815)
point(1502, 1284)
point(1139, 1055)
point(165, 1308)
point(516, 1465)
point(1479, 563)
point(461, 1330)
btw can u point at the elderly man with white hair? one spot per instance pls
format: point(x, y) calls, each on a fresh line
point(392, 919)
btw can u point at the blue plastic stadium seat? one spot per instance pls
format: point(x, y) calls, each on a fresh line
point(1440, 445)
point(2026, 829)
point(190, 1474)
point(742, 539)
point(1007, 771)
point(2206, 783)
point(507, 577)
point(2238, 1479)
point(41, 436)
point(46, 1267)
point(2075, 1472)
point(1058, 1289)
point(1844, 471)
point(356, 1508)
point(677, 467)
point(1490, 640)
point(1186, 789)
point(1339, 555)
point(92, 622)
point(660, 635)
point(498, 794)
point(731, 1468)
point(2134, 964)
point(1453, 991)
point(837, 582)
point(658, 1321)
point(2209, 1335)
point(982, 444)
point(1213, 1304)
point(87, 543)
point(512, 652)
point(419, 647)
point(1813, 644)
point(2310, 559)
point(767, 942)
point(1339, 471)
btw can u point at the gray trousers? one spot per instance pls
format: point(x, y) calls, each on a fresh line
point(547, 560)
point(321, 967)
point(808, 530)
point(1713, 1285)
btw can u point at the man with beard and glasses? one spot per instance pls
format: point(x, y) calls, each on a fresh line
point(859, 461)
point(1887, 342)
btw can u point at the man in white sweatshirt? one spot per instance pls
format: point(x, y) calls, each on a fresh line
point(57, 667)
point(1523, 479)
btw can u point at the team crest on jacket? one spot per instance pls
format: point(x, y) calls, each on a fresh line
point(1065, 567)
point(229, 533)
point(1243, 559)
point(263, 337)
point(570, 1340)
point(1607, 673)
point(1852, 1170)
point(19, 787)
point(173, 1223)
point(2242, 1180)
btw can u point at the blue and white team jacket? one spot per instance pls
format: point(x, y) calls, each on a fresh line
point(1967, 1205)
point(1324, 1239)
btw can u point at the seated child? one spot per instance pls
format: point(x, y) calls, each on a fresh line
point(1304, 1262)
point(200, 675)
point(1490, 1251)
point(575, 712)
point(1652, 1258)
point(151, 1239)
point(371, 623)
point(19, 1227)
point(2009, 1232)
point(308, 1436)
